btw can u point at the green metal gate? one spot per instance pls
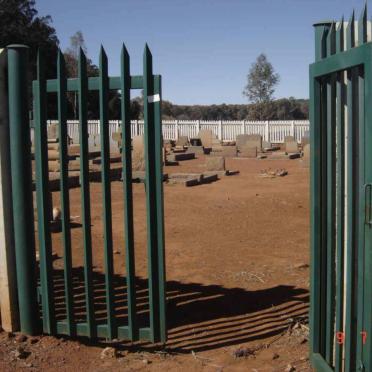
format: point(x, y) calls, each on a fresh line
point(341, 196)
point(155, 328)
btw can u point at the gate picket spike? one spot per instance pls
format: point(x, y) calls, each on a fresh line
point(362, 26)
point(64, 194)
point(331, 40)
point(106, 192)
point(126, 152)
point(85, 192)
point(340, 36)
point(324, 42)
point(154, 198)
point(350, 32)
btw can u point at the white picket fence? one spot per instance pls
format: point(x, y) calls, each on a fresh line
point(225, 130)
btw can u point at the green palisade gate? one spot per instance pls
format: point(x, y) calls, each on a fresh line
point(127, 327)
point(341, 196)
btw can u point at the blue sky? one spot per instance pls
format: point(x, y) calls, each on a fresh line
point(203, 48)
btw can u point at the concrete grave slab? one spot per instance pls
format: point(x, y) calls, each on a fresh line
point(181, 156)
point(196, 149)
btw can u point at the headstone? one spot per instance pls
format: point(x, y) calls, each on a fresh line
point(241, 139)
point(138, 153)
point(167, 145)
point(306, 155)
point(305, 138)
point(53, 154)
point(207, 137)
point(255, 140)
point(291, 147)
point(116, 136)
point(288, 139)
point(225, 151)
point(307, 151)
point(215, 163)
point(74, 150)
point(182, 141)
point(93, 142)
point(266, 145)
point(248, 152)
point(249, 140)
point(52, 131)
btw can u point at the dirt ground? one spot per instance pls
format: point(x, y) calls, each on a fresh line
point(237, 254)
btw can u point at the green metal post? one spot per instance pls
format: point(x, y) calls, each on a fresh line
point(321, 31)
point(20, 143)
point(43, 197)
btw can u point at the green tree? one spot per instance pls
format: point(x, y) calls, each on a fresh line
point(262, 80)
point(20, 24)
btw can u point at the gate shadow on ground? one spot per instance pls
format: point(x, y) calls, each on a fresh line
point(200, 317)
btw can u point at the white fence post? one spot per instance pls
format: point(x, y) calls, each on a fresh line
point(267, 135)
point(8, 280)
point(137, 128)
point(197, 127)
point(220, 130)
point(292, 128)
point(243, 127)
point(177, 133)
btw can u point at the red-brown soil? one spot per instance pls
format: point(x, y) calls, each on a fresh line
point(237, 254)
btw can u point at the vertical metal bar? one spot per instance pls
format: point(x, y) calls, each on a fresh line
point(160, 209)
point(324, 199)
point(43, 199)
point(128, 195)
point(351, 249)
point(315, 221)
point(21, 170)
point(340, 217)
point(151, 193)
point(8, 284)
point(331, 225)
point(367, 342)
point(106, 191)
point(361, 209)
point(85, 192)
point(65, 198)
